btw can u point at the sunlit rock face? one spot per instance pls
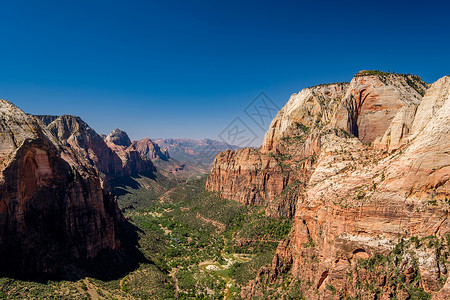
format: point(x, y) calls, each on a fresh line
point(285, 159)
point(149, 149)
point(133, 161)
point(118, 137)
point(372, 101)
point(357, 166)
point(75, 134)
point(52, 205)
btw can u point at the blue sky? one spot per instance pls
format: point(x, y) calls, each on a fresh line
point(188, 68)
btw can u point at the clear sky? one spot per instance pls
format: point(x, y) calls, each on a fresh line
point(188, 68)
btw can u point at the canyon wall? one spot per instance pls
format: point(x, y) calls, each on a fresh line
point(366, 172)
point(133, 161)
point(290, 147)
point(150, 150)
point(52, 205)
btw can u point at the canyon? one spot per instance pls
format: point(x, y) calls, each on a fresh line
point(347, 197)
point(196, 155)
point(58, 191)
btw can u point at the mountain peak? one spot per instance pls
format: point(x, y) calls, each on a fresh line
point(118, 137)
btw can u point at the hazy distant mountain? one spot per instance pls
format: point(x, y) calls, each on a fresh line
point(200, 152)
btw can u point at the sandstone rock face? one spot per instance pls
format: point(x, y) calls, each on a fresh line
point(85, 143)
point(52, 206)
point(435, 97)
point(252, 177)
point(306, 108)
point(359, 201)
point(284, 162)
point(399, 129)
point(410, 120)
point(372, 101)
point(365, 107)
point(149, 149)
point(355, 202)
point(118, 137)
point(132, 160)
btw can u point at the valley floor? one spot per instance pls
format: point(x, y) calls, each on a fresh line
point(196, 245)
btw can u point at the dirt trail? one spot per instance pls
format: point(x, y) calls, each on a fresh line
point(173, 273)
point(219, 225)
point(166, 194)
point(91, 290)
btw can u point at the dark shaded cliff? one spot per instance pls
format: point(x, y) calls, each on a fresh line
point(53, 209)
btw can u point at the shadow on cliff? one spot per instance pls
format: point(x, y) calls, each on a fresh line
point(122, 185)
point(109, 264)
point(106, 266)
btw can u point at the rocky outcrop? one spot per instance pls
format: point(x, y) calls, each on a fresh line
point(271, 179)
point(133, 161)
point(87, 147)
point(310, 106)
point(150, 150)
point(372, 101)
point(274, 174)
point(435, 97)
point(410, 120)
point(362, 214)
point(359, 202)
point(118, 137)
point(52, 206)
point(363, 108)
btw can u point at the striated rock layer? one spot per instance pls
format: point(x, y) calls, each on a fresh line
point(52, 205)
point(284, 161)
point(367, 174)
point(85, 144)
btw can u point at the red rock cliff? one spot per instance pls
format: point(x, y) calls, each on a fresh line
point(132, 160)
point(356, 204)
point(52, 206)
point(284, 162)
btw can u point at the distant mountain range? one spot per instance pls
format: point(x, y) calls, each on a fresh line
point(199, 153)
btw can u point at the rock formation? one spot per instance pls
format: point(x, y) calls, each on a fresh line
point(133, 161)
point(118, 137)
point(286, 157)
point(52, 205)
point(364, 170)
point(150, 150)
point(372, 101)
point(85, 143)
